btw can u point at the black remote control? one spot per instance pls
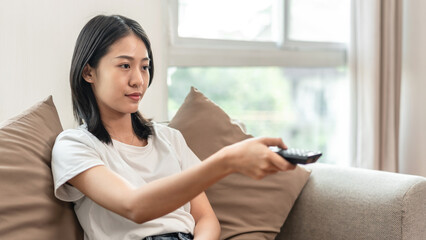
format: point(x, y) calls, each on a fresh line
point(297, 156)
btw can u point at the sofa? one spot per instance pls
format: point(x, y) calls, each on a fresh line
point(330, 202)
point(352, 203)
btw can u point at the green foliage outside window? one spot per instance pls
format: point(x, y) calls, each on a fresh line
point(295, 104)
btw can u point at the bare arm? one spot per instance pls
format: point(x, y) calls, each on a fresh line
point(206, 224)
point(250, 157)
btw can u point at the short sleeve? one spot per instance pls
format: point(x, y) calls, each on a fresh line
point(188, 157)
point(73, 153)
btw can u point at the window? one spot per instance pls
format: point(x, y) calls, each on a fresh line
point(217, 20)
point(265, 66)
point(333, 14)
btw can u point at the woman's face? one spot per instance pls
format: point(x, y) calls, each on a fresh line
point(121, 78)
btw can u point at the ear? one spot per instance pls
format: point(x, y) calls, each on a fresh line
point(88, 73)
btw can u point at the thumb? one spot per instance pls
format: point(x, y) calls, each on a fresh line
point(273, 142)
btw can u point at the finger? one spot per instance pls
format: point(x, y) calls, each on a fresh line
point(292, 166)
point(273, 142)
point(272, 172)
point(280, 163)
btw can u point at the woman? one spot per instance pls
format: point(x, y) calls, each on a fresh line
point(128, 177)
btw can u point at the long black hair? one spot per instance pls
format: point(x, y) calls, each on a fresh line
point(92, 44)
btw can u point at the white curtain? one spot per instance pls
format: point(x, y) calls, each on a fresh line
point(412, 137)
point(375, 62)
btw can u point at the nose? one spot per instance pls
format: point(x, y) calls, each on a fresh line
point(137, 79)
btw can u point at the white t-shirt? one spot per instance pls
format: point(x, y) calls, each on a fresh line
point(166, 153)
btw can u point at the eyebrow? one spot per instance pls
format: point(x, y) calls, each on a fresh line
point(131, 58)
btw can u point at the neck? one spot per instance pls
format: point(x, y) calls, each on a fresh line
point(119, 124)
point(121, 129)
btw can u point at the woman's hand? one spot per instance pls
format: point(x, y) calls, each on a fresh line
point(253, 158)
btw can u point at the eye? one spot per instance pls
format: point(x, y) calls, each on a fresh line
point(146, 68)
point(125, 66)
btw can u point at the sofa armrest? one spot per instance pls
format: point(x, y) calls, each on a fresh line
point(353, 203)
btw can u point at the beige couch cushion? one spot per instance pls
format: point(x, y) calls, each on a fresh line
point(246, 208)
point(28, 208)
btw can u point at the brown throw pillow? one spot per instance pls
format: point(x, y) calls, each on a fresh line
point(28, 208)
point(246, 208)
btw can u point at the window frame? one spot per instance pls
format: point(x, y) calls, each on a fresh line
point(192, 52)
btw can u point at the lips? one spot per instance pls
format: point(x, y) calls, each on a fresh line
point(134, 96)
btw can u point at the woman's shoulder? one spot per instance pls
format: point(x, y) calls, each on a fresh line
point(163, 127)
point(79, 134)
point(80, 131)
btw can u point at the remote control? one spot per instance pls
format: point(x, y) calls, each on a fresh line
point(297, 156)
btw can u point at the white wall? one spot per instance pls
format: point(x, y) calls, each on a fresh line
point(37, 41)
point(413, 96)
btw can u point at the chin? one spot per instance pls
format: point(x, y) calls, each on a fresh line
point(128, 110)
point(133, 110)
